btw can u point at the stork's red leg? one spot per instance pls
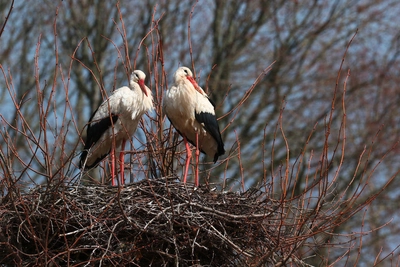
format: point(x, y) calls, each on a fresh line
point(196, 177)
point(112, 166)
point(188, 157)
point(122, 162)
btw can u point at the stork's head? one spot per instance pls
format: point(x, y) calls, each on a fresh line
point(183, 73)
point(138, 77)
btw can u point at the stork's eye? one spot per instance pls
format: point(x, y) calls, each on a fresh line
point(185, 70)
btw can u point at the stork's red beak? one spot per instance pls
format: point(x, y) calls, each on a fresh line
point(142, 86)
point(193, 81)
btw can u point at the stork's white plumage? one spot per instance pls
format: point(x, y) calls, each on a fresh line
point(192, 113)
point(114, 122)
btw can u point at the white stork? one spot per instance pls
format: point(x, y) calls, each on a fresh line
point(192, 113)
point(114, 122)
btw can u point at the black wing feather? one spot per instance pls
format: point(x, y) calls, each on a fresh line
point(94, 132)
point(211, 101)
point(210, 123)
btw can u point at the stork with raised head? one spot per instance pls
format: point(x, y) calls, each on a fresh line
point(192, 114)
point(114, 122)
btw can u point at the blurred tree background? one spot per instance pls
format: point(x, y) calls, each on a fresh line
point(230, 44)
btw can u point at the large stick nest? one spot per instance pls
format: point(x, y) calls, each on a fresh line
point(149, 223)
